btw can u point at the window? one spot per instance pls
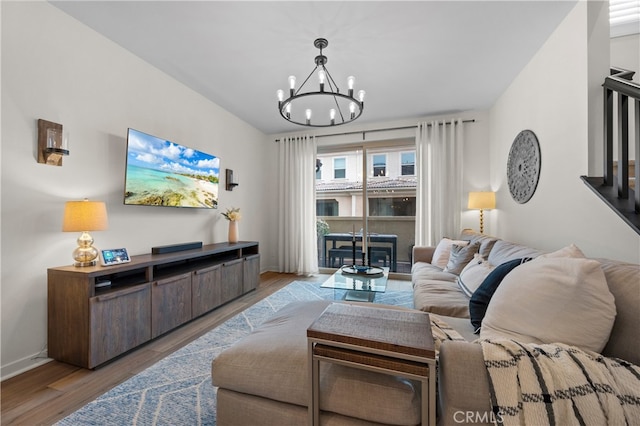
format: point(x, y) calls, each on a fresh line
point(327, 208)
point(339, 168)
point(392, 206)
point(379, 164)
point(408, 163)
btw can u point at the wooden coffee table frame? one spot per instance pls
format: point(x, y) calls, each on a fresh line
point(367, 338)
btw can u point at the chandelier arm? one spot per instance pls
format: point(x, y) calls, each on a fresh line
point(332, 83)
point(305, 81)
point(335, 99)
point(331, 80)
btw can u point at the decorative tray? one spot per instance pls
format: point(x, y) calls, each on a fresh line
point(363, 271)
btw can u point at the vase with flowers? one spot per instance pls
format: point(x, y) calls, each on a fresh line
point(233, 216)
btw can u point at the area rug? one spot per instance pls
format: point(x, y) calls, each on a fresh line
point(177, 390)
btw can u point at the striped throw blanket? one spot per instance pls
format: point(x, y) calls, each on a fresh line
point(556, 384)
point(442, 331)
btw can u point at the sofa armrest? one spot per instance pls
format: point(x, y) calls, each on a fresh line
point(423, 254)
point(463, 386)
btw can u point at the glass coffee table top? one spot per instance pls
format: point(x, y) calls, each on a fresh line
point(358, 287)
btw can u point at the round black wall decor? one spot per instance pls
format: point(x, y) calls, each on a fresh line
point(523, 166)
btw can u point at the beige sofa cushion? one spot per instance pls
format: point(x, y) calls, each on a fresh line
point(440, 294)
point(550, 300)
point(504, 251)
point(624, 283)
point(272, 363)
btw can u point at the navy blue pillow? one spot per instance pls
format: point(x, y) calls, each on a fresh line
point(481, 297)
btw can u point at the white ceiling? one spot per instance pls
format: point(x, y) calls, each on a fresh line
point(414, 59)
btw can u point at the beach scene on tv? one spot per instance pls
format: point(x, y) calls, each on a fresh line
point(163, 173)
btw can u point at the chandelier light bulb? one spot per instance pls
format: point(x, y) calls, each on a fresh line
point(352, 109)
point(350, 82)
point(280, 94)
point(322, 77)
point(332, 116)
point(292, 84)
point(307, 113)
point(288, 110)
point(361, 94)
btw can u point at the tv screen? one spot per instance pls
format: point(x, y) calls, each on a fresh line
point(164, 173)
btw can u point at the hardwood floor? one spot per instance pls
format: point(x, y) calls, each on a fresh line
point(48, 393)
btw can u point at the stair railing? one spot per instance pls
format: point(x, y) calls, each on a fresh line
point(613, 188)
point(620, 82)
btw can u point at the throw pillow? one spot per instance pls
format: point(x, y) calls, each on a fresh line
point(569, 251)
point(443, 251)
point(474, 274)
point(481, 297)
point(460, 256)
point(553, 300)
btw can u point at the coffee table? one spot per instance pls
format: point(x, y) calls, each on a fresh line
point(368, 338)
point(359, 288)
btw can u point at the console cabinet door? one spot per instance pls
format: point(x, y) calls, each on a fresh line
point(231, 279)
point(206, 292)
point(251, 272)
point(120, 320)
point(170, 303)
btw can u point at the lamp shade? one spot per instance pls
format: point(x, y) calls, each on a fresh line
point(80, 216)
point(482, 200)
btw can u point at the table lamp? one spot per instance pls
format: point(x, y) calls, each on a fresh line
point(84, 216)
point(482, 201)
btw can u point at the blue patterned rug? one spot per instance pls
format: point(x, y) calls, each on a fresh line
point(177, 390)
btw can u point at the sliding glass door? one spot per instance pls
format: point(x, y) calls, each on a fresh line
point(368, 190)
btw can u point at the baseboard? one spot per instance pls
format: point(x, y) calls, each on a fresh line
point(22, 365)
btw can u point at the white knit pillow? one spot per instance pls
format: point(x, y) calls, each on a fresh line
point(550, 300)
point(443, 251)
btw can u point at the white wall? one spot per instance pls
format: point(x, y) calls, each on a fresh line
point(550, 97)
point(57, 69)
point(625, 53)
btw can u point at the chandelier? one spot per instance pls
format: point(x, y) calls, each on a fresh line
point(323, 108)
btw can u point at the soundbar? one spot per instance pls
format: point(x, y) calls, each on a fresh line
point(176, 247)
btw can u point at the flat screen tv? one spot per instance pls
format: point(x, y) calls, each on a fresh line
point(164, 173)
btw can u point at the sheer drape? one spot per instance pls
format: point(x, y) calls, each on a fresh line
point(439, 172)
point(297, 240)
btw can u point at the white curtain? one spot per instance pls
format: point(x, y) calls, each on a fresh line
point(439, 171)
point(297, 238)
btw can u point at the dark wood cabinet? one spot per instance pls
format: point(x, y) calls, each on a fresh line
point(170, 303)
point(120, 321)
point(251, 273)
point(90, 322)
point(206, 290)
point(232, 275)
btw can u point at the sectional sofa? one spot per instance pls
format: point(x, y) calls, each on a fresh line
point(463, 385)
point(263, 379)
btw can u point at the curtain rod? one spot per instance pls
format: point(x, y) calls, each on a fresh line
point(364, 132)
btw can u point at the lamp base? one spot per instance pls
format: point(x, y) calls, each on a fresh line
point(82, 264)
point(85, 254)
